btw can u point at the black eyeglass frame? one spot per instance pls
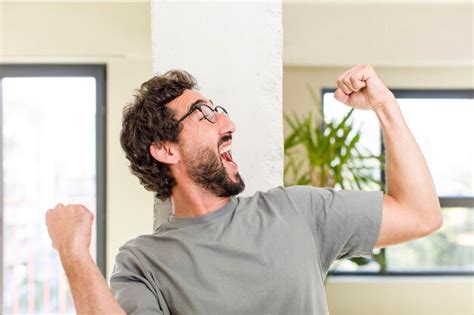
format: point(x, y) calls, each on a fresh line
point(198, 107)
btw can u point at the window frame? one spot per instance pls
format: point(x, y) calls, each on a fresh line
point(445, 201)
point(97, 71)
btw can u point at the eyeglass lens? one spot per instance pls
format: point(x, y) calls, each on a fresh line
point(209, 114)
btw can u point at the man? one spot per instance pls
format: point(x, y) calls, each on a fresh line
point(221, 254)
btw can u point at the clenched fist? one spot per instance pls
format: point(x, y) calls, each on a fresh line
point(361, 88)
point(69, 228)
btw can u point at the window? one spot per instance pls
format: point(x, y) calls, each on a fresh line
point(441, 122)
point(52, 149)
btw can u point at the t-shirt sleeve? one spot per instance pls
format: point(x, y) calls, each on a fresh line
point(131, 288)
point(345, 223)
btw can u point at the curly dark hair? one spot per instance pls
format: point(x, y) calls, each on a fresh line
point(148, 120)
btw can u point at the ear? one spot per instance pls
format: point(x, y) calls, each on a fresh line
point(165, 152)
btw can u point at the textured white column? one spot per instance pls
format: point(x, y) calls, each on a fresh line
point(234, 49)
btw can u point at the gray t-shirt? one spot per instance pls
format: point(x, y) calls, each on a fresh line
point(265, 254)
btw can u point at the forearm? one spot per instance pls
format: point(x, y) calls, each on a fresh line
point(408, 178)
point(89, 289)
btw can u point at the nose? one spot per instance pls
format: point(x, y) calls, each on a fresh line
point(226, 125)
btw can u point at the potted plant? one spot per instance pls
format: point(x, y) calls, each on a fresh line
point(329, 154)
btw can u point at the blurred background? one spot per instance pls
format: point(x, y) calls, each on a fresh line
point(67, 68)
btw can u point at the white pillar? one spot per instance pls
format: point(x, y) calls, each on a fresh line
point(234, 50)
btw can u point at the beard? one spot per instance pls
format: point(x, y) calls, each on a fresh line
point(206, 169)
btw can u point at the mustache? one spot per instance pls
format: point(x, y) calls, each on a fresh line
point(224, 139)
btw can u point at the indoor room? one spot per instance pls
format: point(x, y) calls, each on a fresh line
point(282, 73)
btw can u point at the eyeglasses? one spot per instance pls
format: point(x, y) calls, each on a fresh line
point(207, 112)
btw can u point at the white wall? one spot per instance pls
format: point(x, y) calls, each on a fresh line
point(117, 34)
point(400, 295)
point(341, 34)
point(412, 46)
point(235, 52)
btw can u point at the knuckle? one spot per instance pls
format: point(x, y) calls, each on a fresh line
point(83, 209)
point(50, 212)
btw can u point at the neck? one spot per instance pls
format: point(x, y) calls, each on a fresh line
point(194, 201)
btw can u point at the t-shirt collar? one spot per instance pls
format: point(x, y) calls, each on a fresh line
point(209, 217)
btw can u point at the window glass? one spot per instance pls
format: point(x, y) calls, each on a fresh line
point(451, 248)
point(443, 129)
point(49, 141)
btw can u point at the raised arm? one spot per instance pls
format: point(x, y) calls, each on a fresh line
point(70, 230)
point(410, 208)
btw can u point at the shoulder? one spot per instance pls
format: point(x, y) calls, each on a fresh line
point(292, 197)
point(138, 247)
point(280, 192)
point(273, 194)
point(326, 196)
point(301, 194)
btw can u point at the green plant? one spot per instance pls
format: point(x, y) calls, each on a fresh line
point(330, 154)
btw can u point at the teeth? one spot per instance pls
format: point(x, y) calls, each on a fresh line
point(224, 149)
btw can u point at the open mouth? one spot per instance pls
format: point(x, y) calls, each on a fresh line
point(225, 153)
